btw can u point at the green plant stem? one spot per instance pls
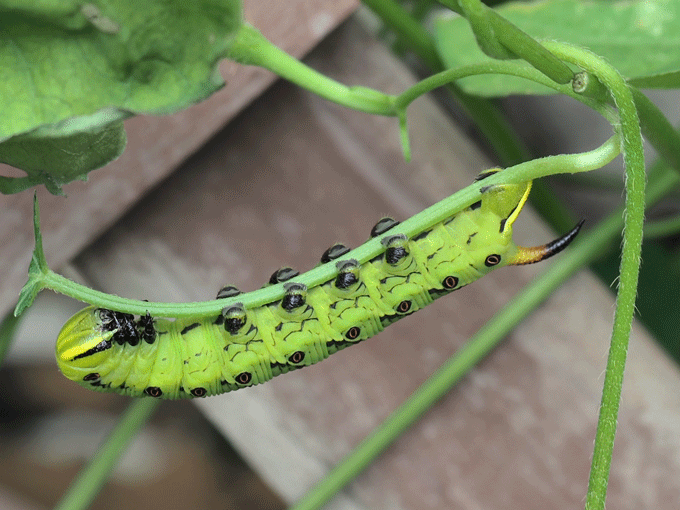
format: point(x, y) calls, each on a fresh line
point(250, 47)
point(662, 228)
point(530, 170)
point(500, 39)
point(582, 252)
point(91, 479)
point(657, 130)
point(633, 157)
point(509, 149)
point(8, 328)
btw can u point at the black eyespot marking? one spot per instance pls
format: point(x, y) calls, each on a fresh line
point(199, 392)
point(404, 306)
point(234, 318)
point(283, 275)
point(153, 391)
point(227, 292)
point(476, 205)
point(296, 294)
point(91, 377)
point(297, 357)
point(334, 252)
point(450, 282)
point(244, 378)
point(383, 226)
point(353, 333)
point(492, 260)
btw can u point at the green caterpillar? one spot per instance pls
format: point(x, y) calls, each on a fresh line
point(107, 350)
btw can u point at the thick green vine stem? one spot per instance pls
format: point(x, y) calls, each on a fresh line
point(500, 39)
point(41, 276)
point(633, 157)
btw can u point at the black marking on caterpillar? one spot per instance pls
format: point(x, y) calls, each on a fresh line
point(246, 345)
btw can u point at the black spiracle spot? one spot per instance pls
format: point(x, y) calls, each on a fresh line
point(383, 225)
point(404, 306)
point(353, 333)
point(227, 292)
point(297, 357)
point(334, 252)
point(199, 392)
point(283, 275)
point(154, 391)
point(492, 260)
point(450, 282)
point(244, 378)
point(91, 377)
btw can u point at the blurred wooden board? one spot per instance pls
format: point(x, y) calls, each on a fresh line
point(156, 146)
point(295, 174)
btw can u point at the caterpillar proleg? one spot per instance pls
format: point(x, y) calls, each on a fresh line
point(117, 352)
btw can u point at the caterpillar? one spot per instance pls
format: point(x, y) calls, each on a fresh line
point(106, 350)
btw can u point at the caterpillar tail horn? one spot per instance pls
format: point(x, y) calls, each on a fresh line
point(537, 253)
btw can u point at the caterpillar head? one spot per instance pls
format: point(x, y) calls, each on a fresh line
point(82, 345)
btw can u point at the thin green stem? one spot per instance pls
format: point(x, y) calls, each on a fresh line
point(491, 123)
point(250, 47)
point(496, 67)
point(582, 252)
point(8, 328)
point(434, 214)
point(662, 228)
point(91, 479)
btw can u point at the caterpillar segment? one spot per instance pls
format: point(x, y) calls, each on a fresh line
point(112, 351)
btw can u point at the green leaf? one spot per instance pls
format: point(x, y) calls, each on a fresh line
point(639, 38)
point(38, 268)
point(78, 67)
point(52, 158)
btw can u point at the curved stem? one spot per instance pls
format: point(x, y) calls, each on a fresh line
point(630, 263)
point(432, 215)
point(250, 47)
point(500, 39)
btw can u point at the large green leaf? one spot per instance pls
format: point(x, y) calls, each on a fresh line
point(640, 38)
point(76, 67)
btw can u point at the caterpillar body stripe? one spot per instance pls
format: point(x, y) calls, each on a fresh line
point(117, 352)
